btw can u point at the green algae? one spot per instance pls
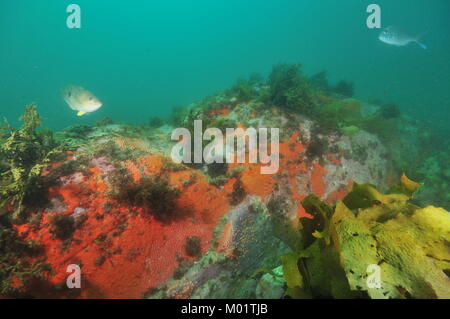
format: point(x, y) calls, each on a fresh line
point(155, 122)
point(17, 268)
point(350, 130)
point(104, 121)
point(319, 81)
point(243, 90)
point(289, 89)
point(344, 88)
point(26, 152)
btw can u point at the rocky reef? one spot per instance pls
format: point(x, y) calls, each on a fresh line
point(109, 198)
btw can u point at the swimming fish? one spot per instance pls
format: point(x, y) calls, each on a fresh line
point(393, 36)
point(81, 100)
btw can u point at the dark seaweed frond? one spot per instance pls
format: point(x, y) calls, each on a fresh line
point(155, 196)
point(290, 90)
point(344, 88)
point(16, 270)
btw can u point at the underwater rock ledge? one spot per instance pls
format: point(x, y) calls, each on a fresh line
point(110, 199)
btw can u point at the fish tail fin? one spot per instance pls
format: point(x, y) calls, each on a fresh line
point(81, 113)
point(419, 40)
point(422, 45)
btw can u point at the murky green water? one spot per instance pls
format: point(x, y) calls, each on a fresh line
point(141, 58)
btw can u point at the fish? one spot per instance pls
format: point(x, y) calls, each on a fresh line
point(80, 99)
point(394, 36)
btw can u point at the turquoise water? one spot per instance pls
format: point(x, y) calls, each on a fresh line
point(111, 200)
point(141, 58)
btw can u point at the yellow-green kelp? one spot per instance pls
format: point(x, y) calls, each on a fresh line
point(373, 245)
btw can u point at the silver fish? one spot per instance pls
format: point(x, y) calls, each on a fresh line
point(81, 100)
point(393, 36)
